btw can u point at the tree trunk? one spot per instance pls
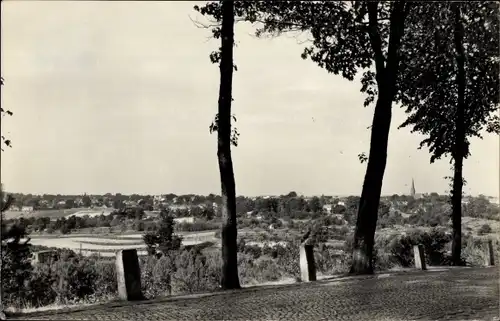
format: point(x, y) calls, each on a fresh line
point(387, 73)
point(366, 223)
point(230, 278)
point(458, 153)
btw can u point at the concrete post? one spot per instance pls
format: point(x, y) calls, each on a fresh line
point(490, 254)
point(128, 275)
point(307, 264)
point(419, 254)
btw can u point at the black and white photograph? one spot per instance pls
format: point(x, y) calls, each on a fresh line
point(250, 160)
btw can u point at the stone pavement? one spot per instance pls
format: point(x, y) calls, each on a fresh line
point(448, 294)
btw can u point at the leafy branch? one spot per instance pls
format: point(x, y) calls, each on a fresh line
point(214, 126)
point(362, 157)
point(5, 141)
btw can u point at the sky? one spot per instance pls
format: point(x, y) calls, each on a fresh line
point(118, 96)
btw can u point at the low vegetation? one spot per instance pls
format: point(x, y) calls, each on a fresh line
point(268, 246)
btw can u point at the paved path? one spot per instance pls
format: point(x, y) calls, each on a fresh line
point(456, 294)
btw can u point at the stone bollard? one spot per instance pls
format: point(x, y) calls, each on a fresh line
point(307, 265)
point(419, 255)
point(490, 254)
point(128, 275)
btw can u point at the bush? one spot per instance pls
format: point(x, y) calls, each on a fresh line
point(179, 272)
point(288, 259)
point(106, 278)
point(155, 276)
point(390, 219)
point(195, 272)
point(70, 281)
point(485, 229)
point(434, 246)
point(16, 264)
point(397, 250)
point(475, 251)
point(164, 240)
point(329, 260)
point(76, 279)
point(252, 250)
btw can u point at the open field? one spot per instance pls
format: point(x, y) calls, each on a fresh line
point(45, 213)
point(91, 212)
point(475, 224)
point(58, 213)
point(107, 245)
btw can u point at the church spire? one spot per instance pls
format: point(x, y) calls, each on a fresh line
point(412, 190)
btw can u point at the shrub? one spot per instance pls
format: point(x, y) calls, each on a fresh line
point(195, 272)
point(485, 229)
point(163, 240)
point(155, 275)
point(329, 260)
point(106, 278)
point(390, 219)
point(69, 281)
point(76, 279)
point(264, 269)
point(397, 250)
point(288, 259)
point(179, 272)
point(473, 252)
point(434, 246)
point(252, 250)
point(16, 264)
point(41, 290)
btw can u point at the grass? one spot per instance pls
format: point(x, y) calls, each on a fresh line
point(110, 243)
point(51, 307)
point(104, 243)
point(43, 213)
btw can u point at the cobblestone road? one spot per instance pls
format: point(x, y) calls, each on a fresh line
point(457, 294)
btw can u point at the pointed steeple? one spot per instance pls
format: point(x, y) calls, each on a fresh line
point(412, 190)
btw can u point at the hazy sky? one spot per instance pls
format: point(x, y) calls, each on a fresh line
point(118, 97)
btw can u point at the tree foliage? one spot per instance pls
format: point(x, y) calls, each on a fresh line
point(4, 112)
point(226, 136)
point(214, 9)
point(450, 85)
point(164, 240)
point(214, 126)
point(346, 37)
point(15, 264)
point(429, 90)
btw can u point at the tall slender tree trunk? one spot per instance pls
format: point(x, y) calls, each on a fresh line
point(459, 148)
point(386, 74)
point(230, 278)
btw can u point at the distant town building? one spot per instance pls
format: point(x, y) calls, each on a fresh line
point(27, 209)
point(327, 208)
point(494, 200)
point(179, 220)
